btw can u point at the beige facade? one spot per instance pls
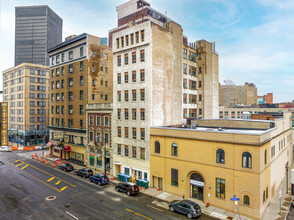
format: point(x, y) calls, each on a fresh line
point(232, 95)
point(246, 158)
point(26, 89)
point(80, 73)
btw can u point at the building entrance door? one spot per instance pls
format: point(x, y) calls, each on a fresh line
point(197, 186)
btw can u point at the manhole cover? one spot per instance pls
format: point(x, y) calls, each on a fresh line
point(50, 198)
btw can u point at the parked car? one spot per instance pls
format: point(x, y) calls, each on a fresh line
point(186, 207)
point(128, 188)
point(84, 172)
point(66, 167)
point(5, 148)
point(292, 203)
point(100, 179)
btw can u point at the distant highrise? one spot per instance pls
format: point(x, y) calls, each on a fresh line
point(37, 28)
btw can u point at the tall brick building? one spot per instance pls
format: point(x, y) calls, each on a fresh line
point(80, 73)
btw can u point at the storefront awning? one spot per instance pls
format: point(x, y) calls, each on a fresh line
point(67, 148)
point(49, 144)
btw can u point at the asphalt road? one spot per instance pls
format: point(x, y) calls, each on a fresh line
point(31, 190)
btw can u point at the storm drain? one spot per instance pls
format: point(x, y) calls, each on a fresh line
point(50, 198)
point(66, 206)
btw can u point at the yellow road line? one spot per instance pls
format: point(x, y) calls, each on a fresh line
point(50, 179)
point(40, 180)
point(57, 182)
point(138, 214)
point(24, 166)
point(15, 161)
point(19, 164)
point(63, 188)
point(51, 175)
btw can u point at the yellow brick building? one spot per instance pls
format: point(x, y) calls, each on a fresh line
point(215, 159)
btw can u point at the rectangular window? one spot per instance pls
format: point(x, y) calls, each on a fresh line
point(142, 55)
point(118, 96)
point(70, 96)
point(93, 68)
point(119, 131)
point(134, 152)
point(106, 121)
point(119, 149)
point(70, 109)
point(142, 153)
point(126, 151)
point(117, 43)
point(70, 68)
point(127, 40)
point(93, 82)
point(132, 38)
point(142, 94)
point(134, 95)
point(126, 132)
point(91, 120)
point(126, 95)
point(98, 121)
point(142, 35)
point(134, 76)
point(81, 94)
point(137, 37)
point(118, 113)
point(126, 59)
point(174, 177)
point(142, 75)
point(119, 60)
point(134, 133)
point(81, 109)
point(62, 57)
point(106, 139)
point(81, 66)
point(62, 96)
point(142, 132)
point(220, 188)
point(119, 78)
point(126, 114)
point(126, 77)
point(134, 114)
point(70, 55)
point(57, 84)
point(142, 114)
point(62, 70)
point(81, 51)
point(134, 57)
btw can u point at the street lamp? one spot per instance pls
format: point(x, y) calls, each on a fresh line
point(287, 168)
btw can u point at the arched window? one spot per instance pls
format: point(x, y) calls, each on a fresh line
point(220, 156)
point(99, 151)
point(174, 149)
point(92, 150)
point(246, 160)
point(157, 147)
point(246, 200)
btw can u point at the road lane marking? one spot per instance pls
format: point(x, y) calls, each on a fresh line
point(138, 214)
point(24, 166)
point(15, 161)
point(50, 179)
point(63, 188)
point(39, 180)
point(19, 164)
point(57, 182)
point(155, 208)
point(51, 175)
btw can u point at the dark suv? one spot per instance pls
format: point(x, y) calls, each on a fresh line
point(186, 207)
point(66, 167)
point(129, 188)
point(84, 172)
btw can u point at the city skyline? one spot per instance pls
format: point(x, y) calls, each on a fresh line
point(252, 38)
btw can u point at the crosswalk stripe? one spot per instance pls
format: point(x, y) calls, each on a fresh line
point(24, 167)
point(50, 179)
point(57, 182)
point(63, 188)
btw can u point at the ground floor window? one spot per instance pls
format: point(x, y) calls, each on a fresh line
point(92, 160)
point(99, 161)
point(174, 177)
point(220, 188)
point(127, 170)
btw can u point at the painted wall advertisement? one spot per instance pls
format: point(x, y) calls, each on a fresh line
point(4, 123)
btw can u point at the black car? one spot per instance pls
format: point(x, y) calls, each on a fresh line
point(66, 167)
point(84, 172)
point(186, 207)
point(129, 188)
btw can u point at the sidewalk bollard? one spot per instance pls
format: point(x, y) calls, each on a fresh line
point(37, 158)
point(53, 164)
point(46, 162)
point(42, 160)
point(32, 156)
point(35, 154)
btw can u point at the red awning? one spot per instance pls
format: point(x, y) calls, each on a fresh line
point(66, 148)
point(49, 144)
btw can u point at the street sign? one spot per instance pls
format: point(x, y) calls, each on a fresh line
point(234, 198)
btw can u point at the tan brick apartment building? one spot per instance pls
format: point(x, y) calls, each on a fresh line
point(232, 95)
point(80, 73)
point(26, 89)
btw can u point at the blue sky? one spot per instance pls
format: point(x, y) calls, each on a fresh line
point(254, 38)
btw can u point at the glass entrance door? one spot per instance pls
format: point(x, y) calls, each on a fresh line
point(197, 192)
